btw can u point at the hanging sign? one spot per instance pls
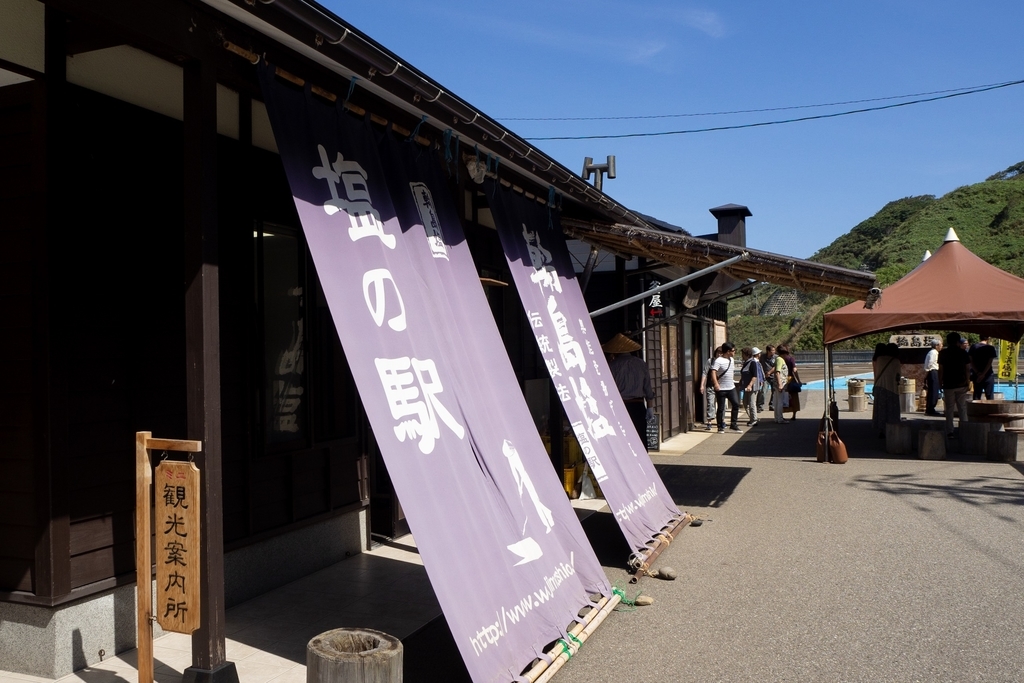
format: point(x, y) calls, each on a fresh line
point(1008, 359)
point(176, 527)
point(914, 341)
point(654, 306)
point(539, 260)
point(500, 543)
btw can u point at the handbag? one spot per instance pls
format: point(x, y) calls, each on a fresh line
point(792, 386)
point(836, 448)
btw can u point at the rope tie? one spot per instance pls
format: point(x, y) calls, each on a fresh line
point(416, 130)
point(351, 88)
point(565, 648)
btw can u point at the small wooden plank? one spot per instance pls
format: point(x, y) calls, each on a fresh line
point(143, 568)
point(178, 547)
point(174, 445)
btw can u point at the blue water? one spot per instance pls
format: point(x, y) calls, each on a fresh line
point(1009, 392)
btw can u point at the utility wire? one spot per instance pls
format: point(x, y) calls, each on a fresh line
point(749, 111)
point(777, 122)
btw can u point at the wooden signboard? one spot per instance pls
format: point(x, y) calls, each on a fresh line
point(176, 521)
point(165, 552)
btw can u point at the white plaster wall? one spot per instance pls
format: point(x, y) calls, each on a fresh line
point(262, 134)
point(22, 33)
point(139, 78)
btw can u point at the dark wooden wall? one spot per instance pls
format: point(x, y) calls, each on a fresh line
point(19, 197)
point(117, 269)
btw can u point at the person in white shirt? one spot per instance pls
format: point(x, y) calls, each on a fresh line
point(722, 376)
point(931, 379)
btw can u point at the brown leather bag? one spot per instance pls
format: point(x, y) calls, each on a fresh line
point(836, 448)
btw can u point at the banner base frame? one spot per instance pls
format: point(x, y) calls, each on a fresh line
point(641, 562)
point(543, 671)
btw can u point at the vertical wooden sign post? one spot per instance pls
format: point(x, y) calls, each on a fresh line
point(177, 543)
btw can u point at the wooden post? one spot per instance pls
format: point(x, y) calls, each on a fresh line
point(931, 444)
point(898, 437)
point(353, 655)
point(202, 357)
point(143, 557)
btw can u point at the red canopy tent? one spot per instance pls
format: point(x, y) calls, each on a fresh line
point(951, 289)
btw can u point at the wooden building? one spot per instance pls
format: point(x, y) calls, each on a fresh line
point(154, 276)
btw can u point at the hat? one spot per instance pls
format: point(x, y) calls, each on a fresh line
point(755, 351)
point(620, 343)
point(963, 340)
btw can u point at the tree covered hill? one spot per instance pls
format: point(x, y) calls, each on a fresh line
point(988, 217)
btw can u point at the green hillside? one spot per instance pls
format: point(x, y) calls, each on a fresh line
point(988, 217)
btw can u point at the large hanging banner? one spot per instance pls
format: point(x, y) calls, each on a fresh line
point(499, 540)
point(543, 273)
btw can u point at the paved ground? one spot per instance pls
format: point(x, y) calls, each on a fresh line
point(883, 569)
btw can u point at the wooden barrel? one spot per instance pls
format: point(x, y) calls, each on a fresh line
point(908, 395)
point(354, 655)
point(855, 387)
point(858, 404)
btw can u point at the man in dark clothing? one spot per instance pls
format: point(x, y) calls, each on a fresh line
point(982, 354)
point(954, 375)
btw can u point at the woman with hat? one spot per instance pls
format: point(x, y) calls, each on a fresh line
point(632, 379)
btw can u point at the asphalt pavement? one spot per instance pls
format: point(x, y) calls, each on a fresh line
point(887, 568)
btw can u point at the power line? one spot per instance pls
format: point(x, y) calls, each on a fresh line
point(752, 111)
point(777, 122)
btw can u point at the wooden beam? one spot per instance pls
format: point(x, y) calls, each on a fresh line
point(202, 354)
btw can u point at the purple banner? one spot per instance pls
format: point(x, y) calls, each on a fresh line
point(541, 267)
point(503, 548)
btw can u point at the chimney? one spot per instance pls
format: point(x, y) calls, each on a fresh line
point(732, 226)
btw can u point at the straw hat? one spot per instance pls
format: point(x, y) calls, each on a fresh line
point(620, 343)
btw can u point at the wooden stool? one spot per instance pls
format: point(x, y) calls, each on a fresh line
point(931, 444)
point(898, 438)
point(1003, 446)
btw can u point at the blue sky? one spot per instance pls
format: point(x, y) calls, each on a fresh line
point(805, 183)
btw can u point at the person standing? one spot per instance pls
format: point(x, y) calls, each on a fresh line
point(707, 389)
point(887, 369)
point(751, 378)
point(954, 375)
point(793, 384)
point(767, 368)
point(780, 373)
point(724, 381)
point(982, 354)
point(633, 380)
point(931, 378)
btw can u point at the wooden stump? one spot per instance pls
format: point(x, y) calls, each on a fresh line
point(898, 438)
point(354, 655)
point(1003, 446)
point(974, 438)
point(858, 404)
point(931, 444)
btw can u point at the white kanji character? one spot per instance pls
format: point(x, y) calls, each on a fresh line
point(364, 221)
point(546, 278)
point(538, 254)
point(569, 349)
point(544, 343)
point(553, 368)
point(374, 279)
point(563, 392)
point(421, 404)
point(535, 319)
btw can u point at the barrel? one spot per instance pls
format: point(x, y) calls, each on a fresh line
point(855, 387)
point(858, 404)
point(908, 395)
